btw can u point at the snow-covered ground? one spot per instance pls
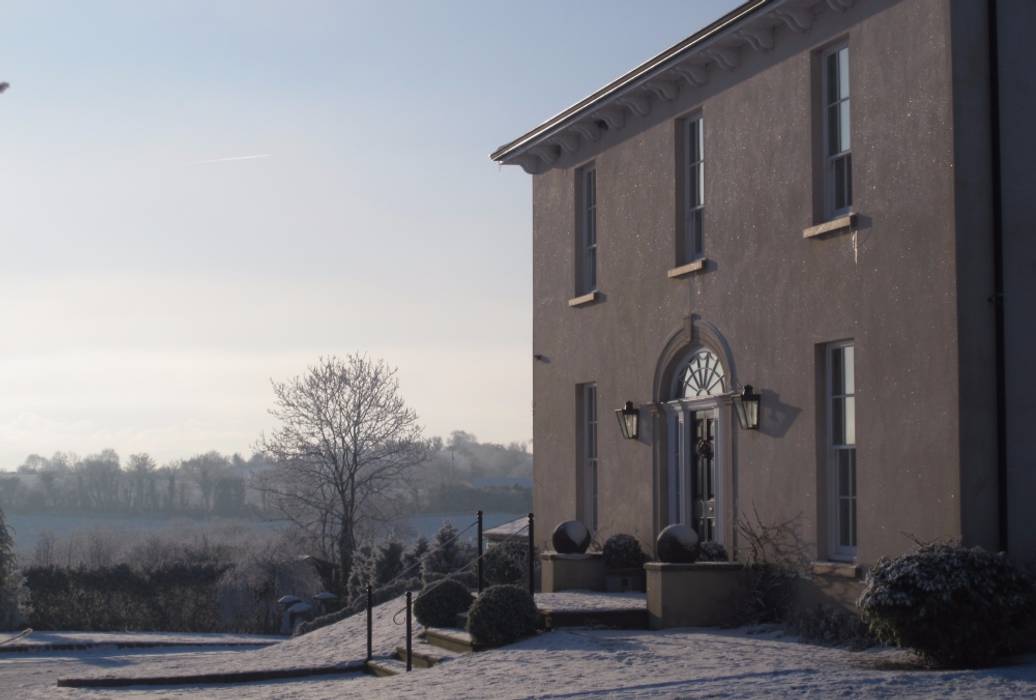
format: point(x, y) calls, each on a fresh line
point(47, 638)
point(564, 663)
point(572, 663)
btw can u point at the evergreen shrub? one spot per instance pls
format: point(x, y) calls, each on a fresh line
point(507, 562)
point(623, 552)
point(439, 604)
point(502, 615)
point(954, 606)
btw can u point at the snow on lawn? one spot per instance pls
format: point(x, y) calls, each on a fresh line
point(577, 663)
point(341, 643)
point(38, 638)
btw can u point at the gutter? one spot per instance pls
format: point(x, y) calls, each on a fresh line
point(597, 99)
point(998, 277)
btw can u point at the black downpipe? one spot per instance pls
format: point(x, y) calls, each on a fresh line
point(998, 278)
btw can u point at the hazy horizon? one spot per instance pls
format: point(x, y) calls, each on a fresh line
point(199, 197)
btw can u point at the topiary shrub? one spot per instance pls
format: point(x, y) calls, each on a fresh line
point(623, 552)
point(954, 606)
point(502, 615)
point(439, 604)
point(712, 551)
point(507, 562)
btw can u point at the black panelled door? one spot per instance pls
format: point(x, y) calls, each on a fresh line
point(703, 475)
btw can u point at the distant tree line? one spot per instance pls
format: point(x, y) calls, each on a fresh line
point(209, 483)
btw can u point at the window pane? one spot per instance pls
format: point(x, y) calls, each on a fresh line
point(852, 522)
point(831, 78)
point(838, 371)
point(849, 369)
point(844, 522)
point(838, 421)
point(833, 139)
point(850, 421)
point(693, 187)
point(843, 126)
point(844, 473)
point(848, 180)
point(693, 141)
point(843, 73)
point(841, 199)
point(591, 268)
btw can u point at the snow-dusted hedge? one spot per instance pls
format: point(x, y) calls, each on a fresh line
point(441, 602)
point(502, 615)
point(507, 562)
point(951, 604)
point(623, 552)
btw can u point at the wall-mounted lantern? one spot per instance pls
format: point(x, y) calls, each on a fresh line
point(629, 420)
point(747, 407)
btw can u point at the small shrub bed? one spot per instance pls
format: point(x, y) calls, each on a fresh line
point(953, 605)
point(502, 615)
point(507, 562)
point(832, 625)
point(623, 552)
point(712, 551)
point(439, 604)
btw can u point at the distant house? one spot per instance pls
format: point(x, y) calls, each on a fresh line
point(832, 202)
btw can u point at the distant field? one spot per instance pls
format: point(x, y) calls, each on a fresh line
point(27, 528)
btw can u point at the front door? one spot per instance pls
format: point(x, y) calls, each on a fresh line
point(703, 475)
point(694, 464)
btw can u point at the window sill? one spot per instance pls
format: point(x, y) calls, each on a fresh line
point(841, 569)
point(842, 222)
point(683, 270)
point(584, 299)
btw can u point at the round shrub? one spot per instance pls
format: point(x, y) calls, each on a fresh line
point(507, 562)
point(439, 603)
point(712, 551)
point(502, 615)
point(623, 552)
point(953, 605)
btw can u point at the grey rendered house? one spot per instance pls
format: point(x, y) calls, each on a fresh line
point(831, 202)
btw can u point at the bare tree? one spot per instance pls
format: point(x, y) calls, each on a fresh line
point(343, 449)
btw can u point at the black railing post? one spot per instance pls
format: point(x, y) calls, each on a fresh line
point(409, 634)
point(480, 579)
point(532, 559)
point(370, 622)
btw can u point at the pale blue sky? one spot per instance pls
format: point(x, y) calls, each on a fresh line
point(147, 296)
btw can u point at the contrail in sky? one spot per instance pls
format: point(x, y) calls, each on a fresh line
point(224, 160)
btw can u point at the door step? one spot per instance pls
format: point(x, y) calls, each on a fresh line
point(455, 640)
point(385, 667)
point(633, 618)
point(422, 658)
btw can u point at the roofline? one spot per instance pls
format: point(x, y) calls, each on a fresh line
point(672, 54)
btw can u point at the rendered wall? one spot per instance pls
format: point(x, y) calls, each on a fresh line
point(774, 297)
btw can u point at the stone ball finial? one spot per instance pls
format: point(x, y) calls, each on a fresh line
point(678, 544)
point(570, 537)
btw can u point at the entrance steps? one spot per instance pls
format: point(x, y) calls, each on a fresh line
point(431, 647)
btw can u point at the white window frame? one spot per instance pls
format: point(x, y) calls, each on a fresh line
point(586, 180)
point(591, 463)
point(836, 549)
point(692, 198)
point(832, 158)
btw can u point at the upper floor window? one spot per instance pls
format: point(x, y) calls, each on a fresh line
point(691, 242)
point(586, 257)
point(838, 164)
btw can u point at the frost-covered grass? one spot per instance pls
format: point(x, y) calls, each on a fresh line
point(584, 663)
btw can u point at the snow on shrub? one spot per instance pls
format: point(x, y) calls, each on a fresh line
point(439, 604)
point(502, 615)
point(507, 562)
point(712, 551)
point(623, 552)
point(953, 605)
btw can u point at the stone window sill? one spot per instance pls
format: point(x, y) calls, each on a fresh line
point(840, 569)
point(841, 223)
point(683, 270)
point(584, 299)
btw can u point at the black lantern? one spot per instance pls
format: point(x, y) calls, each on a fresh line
point(747, 407)
point(629, 420)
